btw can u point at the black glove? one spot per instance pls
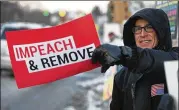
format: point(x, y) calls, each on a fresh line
point(108, 55)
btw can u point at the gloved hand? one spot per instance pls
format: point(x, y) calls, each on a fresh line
point(108, 55)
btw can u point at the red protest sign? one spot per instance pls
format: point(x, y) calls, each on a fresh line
point(43, 55)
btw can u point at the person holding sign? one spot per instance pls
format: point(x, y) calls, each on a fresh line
point(141, 82)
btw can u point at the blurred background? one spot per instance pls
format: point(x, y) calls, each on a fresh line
point(86, 91)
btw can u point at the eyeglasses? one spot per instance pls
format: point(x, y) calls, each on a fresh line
point(138, 29)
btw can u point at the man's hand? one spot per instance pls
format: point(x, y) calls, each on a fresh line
point(107, 55)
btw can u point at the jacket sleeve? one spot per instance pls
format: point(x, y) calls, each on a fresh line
point(150, 60)
point(117, 94)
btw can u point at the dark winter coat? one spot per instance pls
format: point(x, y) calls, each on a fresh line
point(132, 85)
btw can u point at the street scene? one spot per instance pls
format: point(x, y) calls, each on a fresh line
point(90, 90)
point(80, 92)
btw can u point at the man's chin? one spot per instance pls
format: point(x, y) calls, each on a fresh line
point(146, 46)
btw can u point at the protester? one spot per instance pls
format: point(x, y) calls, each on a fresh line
point(141, 82)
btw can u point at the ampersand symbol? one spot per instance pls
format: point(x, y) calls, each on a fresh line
point(32, 66)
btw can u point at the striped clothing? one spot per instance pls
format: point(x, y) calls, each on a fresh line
point(157, 89)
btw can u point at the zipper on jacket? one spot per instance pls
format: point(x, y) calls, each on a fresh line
point(133, 95)
point(133, 91)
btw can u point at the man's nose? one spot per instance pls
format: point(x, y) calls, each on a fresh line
point(143, 33)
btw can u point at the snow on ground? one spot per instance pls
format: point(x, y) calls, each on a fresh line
point(91, 83)
point(93, 95)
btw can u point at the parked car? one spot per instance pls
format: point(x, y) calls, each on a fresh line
point(13, 26)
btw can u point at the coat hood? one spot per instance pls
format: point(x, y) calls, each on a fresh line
point(159, 21)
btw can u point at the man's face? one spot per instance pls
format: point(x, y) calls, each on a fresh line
point(146, 36)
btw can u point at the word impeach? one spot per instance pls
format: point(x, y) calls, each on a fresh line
point(52, 54)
